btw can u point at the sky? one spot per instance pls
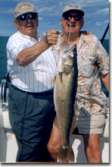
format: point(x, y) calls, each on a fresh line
point(96, 15)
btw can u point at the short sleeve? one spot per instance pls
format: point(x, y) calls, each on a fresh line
point(102, 58)
point(14, 47)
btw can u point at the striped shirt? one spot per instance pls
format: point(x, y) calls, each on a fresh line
point(38, 76)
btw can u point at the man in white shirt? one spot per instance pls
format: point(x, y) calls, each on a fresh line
point(31, 67)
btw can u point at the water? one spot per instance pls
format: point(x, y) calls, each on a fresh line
point(3, 66)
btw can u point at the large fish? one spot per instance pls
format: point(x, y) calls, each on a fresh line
point(64, 98)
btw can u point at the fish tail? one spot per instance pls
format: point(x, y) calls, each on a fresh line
point(66, 155)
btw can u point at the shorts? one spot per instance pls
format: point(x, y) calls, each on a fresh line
point(90, 120)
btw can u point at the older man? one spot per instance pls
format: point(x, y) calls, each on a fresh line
point(93, 66)
point(31, 66)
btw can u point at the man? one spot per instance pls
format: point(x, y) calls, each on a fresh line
point(31, 68)
point(93, 66)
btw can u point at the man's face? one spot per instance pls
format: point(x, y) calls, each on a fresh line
point(72, 21)
point(27, 23)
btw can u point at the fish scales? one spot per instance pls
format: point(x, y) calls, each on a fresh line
point(64, 98)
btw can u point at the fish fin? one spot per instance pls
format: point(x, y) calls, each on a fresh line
point(66, 155)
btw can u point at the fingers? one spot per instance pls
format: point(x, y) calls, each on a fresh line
point(52, 36)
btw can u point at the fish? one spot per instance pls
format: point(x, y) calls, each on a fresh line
point(65, 88)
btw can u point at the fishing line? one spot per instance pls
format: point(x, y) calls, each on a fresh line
point(70, 47)
point(70, 26)
point(68, 36)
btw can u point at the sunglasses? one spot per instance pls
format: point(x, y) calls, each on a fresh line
point(27, 16)
point(76, 16)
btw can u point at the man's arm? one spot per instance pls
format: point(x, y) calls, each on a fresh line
point(105, 80)
point(28, 55)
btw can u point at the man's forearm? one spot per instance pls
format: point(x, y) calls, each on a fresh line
point(105, 80)
point(28, 55)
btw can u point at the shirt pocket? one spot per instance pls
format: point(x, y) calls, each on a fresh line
point(86, 67)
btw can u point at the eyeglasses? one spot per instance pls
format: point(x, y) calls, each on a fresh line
point(76, 16)
point(27, 16)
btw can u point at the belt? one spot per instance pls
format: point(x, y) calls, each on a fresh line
point(43, 93)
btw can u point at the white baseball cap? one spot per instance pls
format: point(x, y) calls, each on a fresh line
point(73, 7)
point(24, 7)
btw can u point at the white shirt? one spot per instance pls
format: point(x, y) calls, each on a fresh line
point(38, 76)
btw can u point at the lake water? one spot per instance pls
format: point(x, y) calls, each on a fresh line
point(3, 66)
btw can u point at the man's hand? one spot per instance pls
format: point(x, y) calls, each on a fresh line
point(52, 36)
